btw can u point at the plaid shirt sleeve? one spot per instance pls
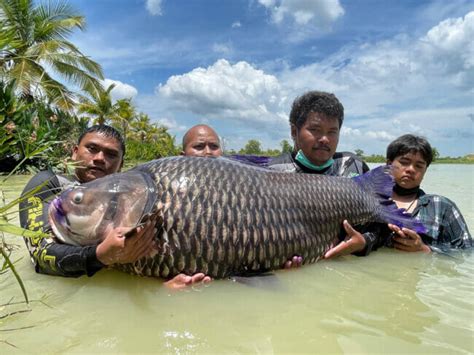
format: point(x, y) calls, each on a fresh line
point(445, 223)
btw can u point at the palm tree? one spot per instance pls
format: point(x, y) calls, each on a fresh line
point(141, 127)
point(98, 105)
point(124, 115)
point(33, 47)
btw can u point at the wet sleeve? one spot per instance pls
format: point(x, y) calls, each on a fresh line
point(375, 236)
point(455, 230)
point(49, 256)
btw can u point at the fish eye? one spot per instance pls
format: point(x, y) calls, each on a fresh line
point(77, 198)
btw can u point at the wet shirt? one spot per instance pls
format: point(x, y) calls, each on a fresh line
point(48, 255)
point(345, 164)
point(446, 227)
point(444, 222)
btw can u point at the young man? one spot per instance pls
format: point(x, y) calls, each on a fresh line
point(316, 118)
point(99, 152)
point(410, 157)
point(201, 141)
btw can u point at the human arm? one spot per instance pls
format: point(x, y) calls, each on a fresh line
point(53, 258)
point(408, 240)
point(454, 230)
point(353, 242)
point(358, 243)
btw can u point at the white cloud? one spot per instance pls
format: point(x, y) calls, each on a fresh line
point(225, 91)
point(121, 90)
point(420, 85)
point(372, 78)
point(154, 7)
point(451, 43)
point(171, 124)
point(236, 24)
point(358, 134)
point(303, 12)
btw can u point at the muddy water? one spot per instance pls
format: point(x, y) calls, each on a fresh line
point(389, 302)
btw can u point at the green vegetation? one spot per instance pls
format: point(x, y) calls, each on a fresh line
point(254, 147)
point(38, 112)
point(377, 158)
point(41, 116)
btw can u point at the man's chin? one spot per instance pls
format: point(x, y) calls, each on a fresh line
point(93, 174)
point(320, 158)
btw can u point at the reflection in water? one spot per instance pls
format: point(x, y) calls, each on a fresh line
point(388, 302)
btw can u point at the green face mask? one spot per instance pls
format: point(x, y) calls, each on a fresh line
point(300, 157)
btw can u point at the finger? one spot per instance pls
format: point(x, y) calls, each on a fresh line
point(197, 278)
point(348, 228)
point(400, 234)
point(178, 282)
point(206, 280)
point(143, 250)
point(299, 261)
point(410, 233)
point(142, 230)
point(294, 262)
point(394, 227)
point(401, 240)
point(342, 248)
point(402, 247)
point(143, 246)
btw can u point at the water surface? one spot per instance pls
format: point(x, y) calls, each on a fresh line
point(389, 302)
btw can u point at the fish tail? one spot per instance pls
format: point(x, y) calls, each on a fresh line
point(379, 182)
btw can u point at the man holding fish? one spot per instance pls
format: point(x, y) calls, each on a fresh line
point(99, 152)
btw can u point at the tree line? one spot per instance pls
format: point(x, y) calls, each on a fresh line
point(41, 115)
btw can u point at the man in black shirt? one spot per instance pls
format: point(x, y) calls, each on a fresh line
point(99, 152)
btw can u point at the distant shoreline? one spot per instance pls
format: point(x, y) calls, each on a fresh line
point(438, 161)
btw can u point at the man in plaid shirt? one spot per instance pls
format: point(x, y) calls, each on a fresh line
point(410, 157)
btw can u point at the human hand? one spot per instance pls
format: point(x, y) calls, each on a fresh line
point(118, 249)
point(181, 281)
point(294, 262)
point(408, 240)
point(353, 242)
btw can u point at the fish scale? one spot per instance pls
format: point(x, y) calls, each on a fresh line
point(222, 217)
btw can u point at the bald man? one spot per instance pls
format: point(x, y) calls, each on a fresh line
point(201, 141)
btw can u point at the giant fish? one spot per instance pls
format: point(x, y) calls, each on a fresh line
point(222, 217)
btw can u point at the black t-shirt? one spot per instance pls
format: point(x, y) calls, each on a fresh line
point(47, 254)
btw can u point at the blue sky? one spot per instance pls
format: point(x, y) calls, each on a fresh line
point(397, 66)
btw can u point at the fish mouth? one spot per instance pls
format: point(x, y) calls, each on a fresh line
point(59, 222)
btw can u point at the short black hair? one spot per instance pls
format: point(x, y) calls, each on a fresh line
point(409, 143)
point(107, 131)
point(317, 102)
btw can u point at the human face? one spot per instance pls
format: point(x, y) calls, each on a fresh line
point(202, 142)
point(318, 137)
point(409, 169)
point(97, 155)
